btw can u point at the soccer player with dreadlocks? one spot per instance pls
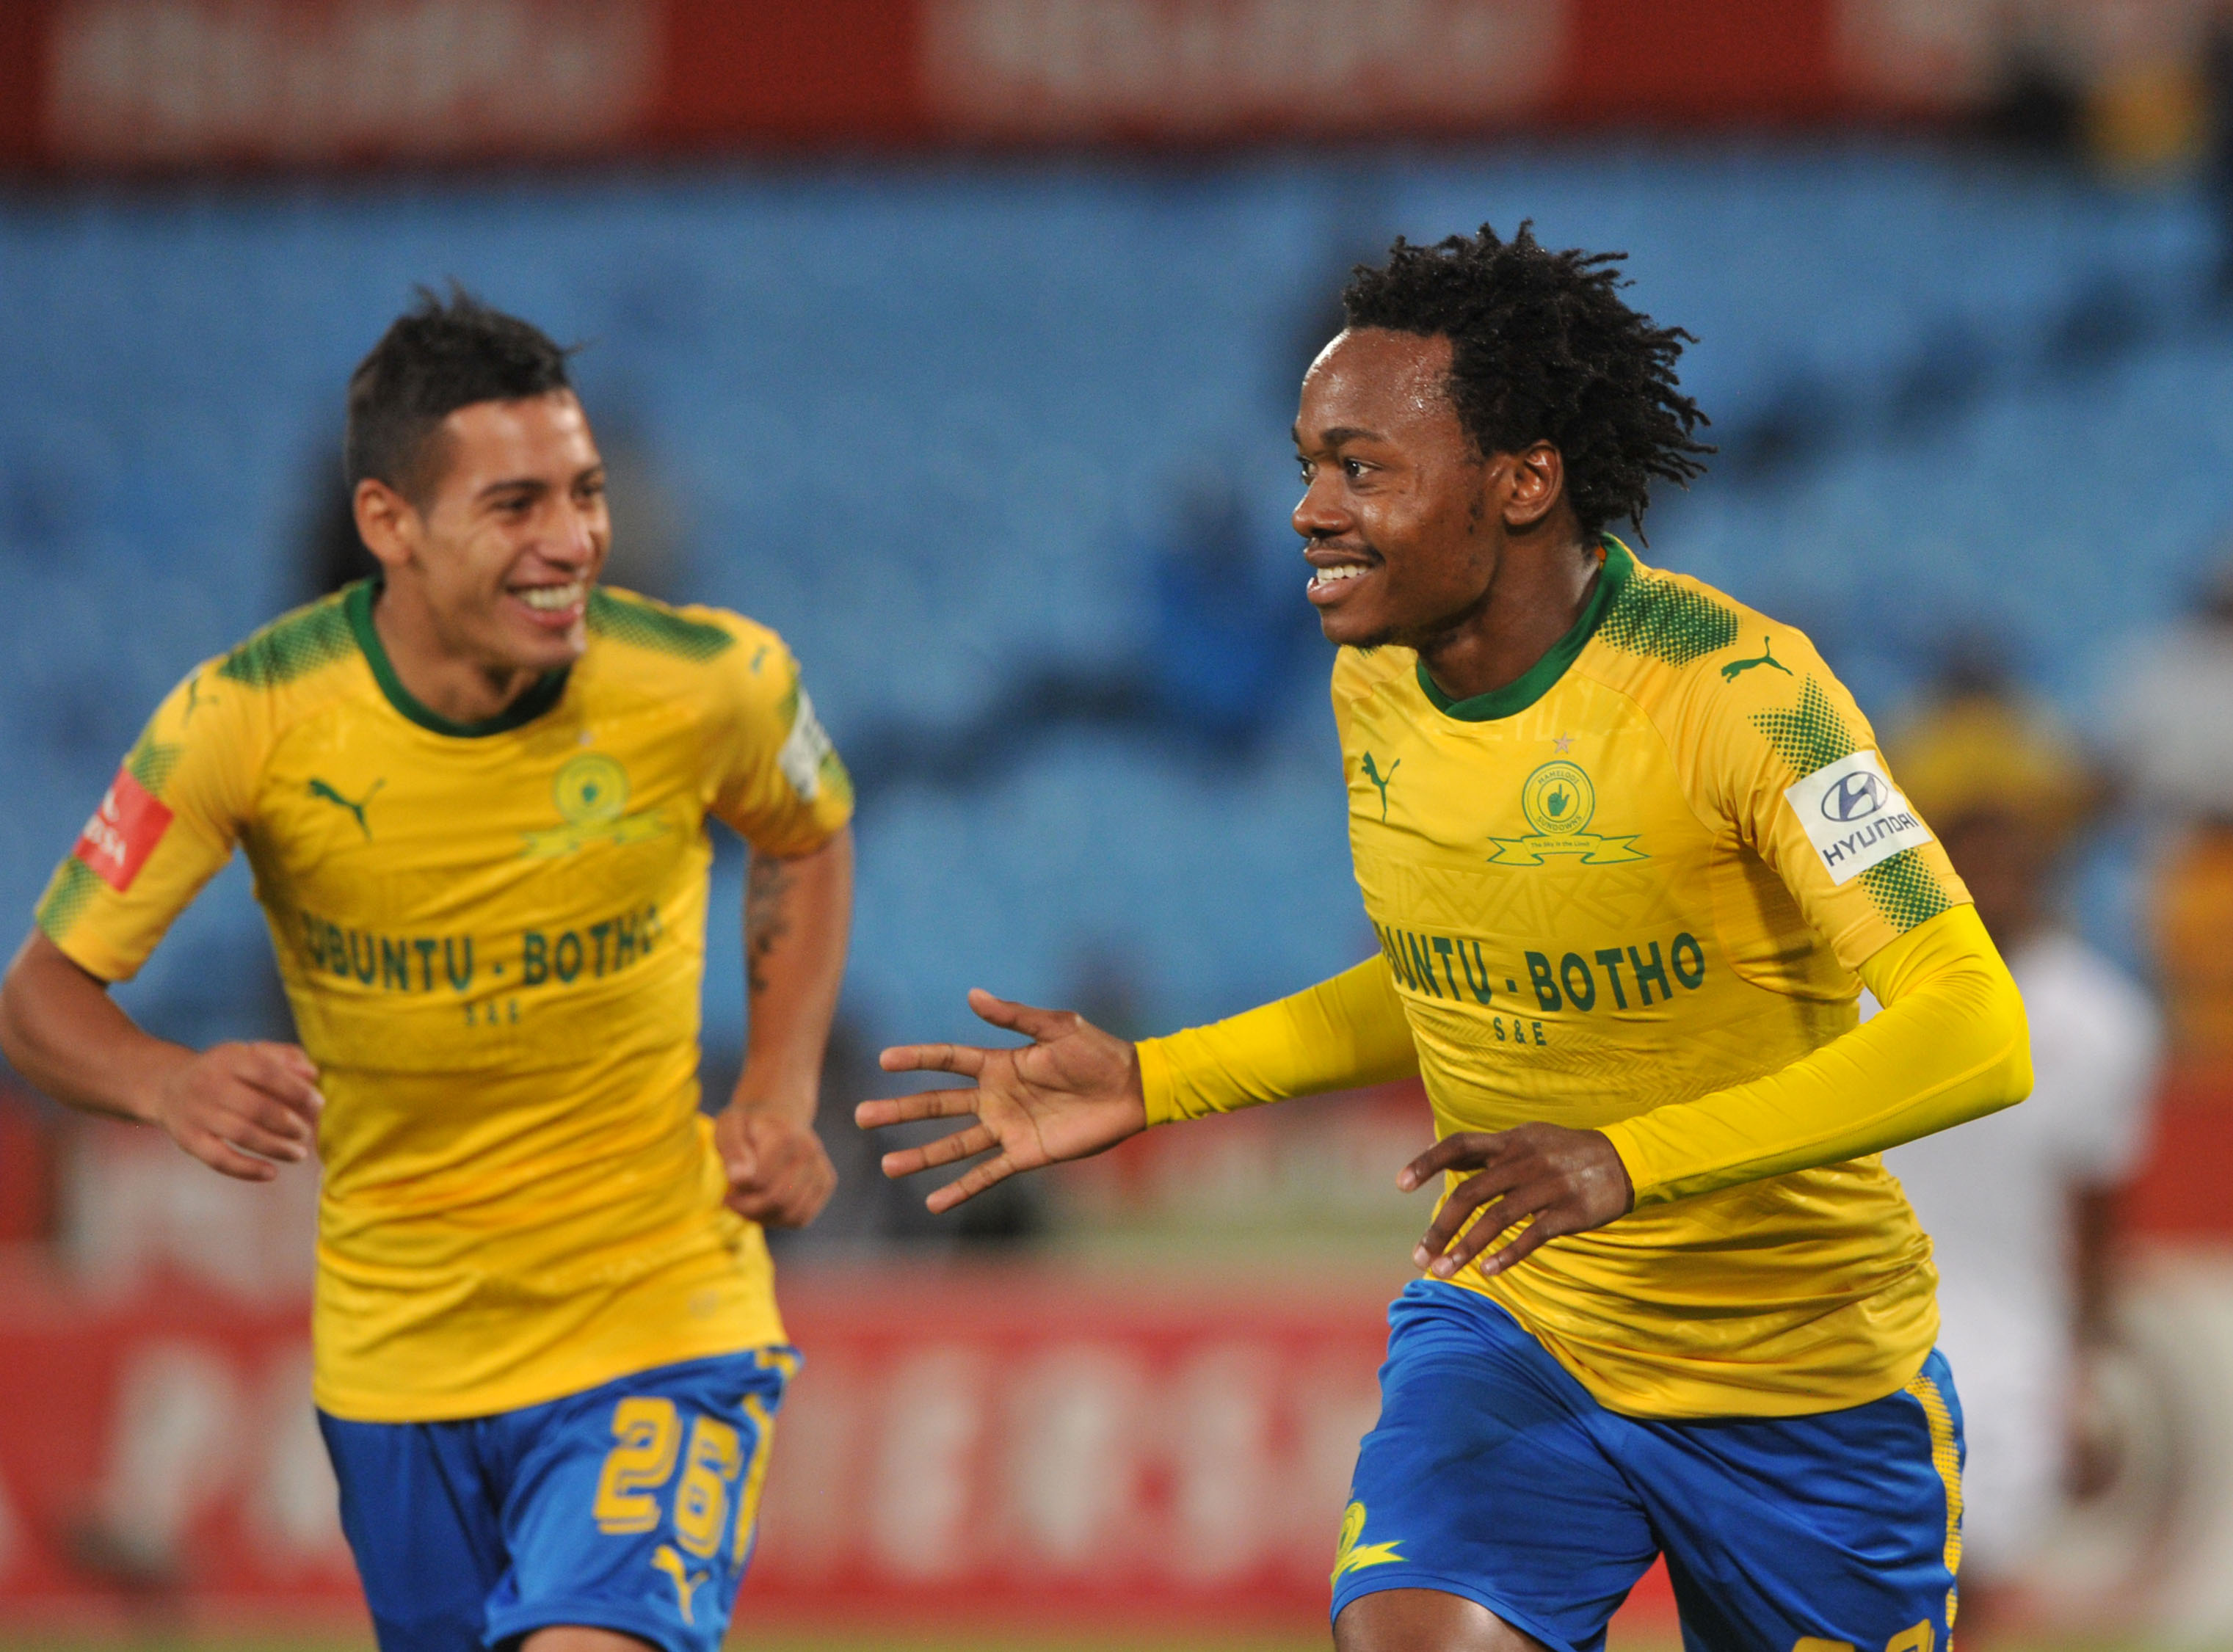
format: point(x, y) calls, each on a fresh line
point(1631, 854)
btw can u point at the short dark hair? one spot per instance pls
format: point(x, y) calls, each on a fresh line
point(1543, 349)
point(438, 356)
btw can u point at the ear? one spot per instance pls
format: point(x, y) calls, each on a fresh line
point(389, 524)
point(1538, 482)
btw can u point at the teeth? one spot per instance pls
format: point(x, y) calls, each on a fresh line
point(552, 598)
point(1339, 571)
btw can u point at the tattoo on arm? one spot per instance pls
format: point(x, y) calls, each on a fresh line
point(768, 885)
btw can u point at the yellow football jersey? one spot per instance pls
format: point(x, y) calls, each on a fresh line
point(1646, 871)
point(492, 937)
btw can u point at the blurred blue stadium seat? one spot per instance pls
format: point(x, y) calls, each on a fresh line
point(929, 423)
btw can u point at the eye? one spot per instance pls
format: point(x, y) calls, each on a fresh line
point(1307, 468)
point(1353, 468)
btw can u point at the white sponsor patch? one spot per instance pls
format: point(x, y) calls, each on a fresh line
point(1854, 815)
point(802, 754)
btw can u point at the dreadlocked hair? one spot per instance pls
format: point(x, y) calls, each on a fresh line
point(1543, 349)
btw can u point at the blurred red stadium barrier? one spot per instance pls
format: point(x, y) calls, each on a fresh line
point(1029, 1444)
point(1038, 1441)
point(142, 84)
point(158, 1452)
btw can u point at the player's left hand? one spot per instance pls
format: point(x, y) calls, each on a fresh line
point(1568, 1181)
point(779, 1172)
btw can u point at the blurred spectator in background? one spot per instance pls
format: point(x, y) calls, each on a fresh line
point(2037, 105)
point(2017, 1205)
point(1230, 644)
point(2172, 722)
point(1229, 629)
point(2215, 67)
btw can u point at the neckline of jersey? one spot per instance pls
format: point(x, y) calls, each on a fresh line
point(1538, 679)
point(541, 696)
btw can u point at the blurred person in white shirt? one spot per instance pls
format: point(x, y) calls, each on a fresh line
point(2018, 1204)
point(2170, 709)
point(2170, 720)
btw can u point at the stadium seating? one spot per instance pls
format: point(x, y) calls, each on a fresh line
point(928, 421)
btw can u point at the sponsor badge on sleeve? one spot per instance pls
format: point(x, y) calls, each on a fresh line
point(123, 831)
point(1854, 815)
point(800, 759)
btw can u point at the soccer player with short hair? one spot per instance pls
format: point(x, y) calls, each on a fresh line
point(474, 792)
point(1631, 852)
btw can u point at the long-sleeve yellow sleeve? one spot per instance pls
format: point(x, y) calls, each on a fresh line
point(1340, 1034)
point(1950, 1046)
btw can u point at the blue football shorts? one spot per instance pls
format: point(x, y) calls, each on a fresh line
point(1493, 1474)
point(629, 1506)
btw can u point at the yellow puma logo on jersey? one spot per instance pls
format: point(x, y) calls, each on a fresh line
point(686, 1582)
point(1353, 1556)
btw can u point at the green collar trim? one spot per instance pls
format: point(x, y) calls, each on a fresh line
point(541, 695)
point(1539, 678)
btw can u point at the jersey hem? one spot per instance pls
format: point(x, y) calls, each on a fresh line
point(1898, 1373)
point(495, 1400)
point(71, 949)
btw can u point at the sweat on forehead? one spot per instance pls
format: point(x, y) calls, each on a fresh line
point(1375, 384)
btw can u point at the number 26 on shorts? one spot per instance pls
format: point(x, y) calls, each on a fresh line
point(647, 1436)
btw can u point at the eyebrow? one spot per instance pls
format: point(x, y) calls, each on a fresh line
point(537, 484)
point(533, 483)
point(1341, 433)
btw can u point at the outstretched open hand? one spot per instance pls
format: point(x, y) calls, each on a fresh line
point(1072, 1092)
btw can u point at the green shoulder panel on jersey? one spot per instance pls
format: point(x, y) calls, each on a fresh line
point(292, 646)
point(644, 624)
point(151, 760)
point(1812, 735)
point(1664, 619)
point(74, 884)
point(1906, 891)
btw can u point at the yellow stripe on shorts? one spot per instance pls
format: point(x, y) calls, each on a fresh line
point(1947, 1459)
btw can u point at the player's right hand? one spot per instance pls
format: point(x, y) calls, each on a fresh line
point(242, 1108)
point(1072, 1092)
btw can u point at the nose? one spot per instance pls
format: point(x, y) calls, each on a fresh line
point(1318, 513)
point(578, 530)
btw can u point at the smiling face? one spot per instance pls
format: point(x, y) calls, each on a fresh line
point(1400, 507)
point(502, 551)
